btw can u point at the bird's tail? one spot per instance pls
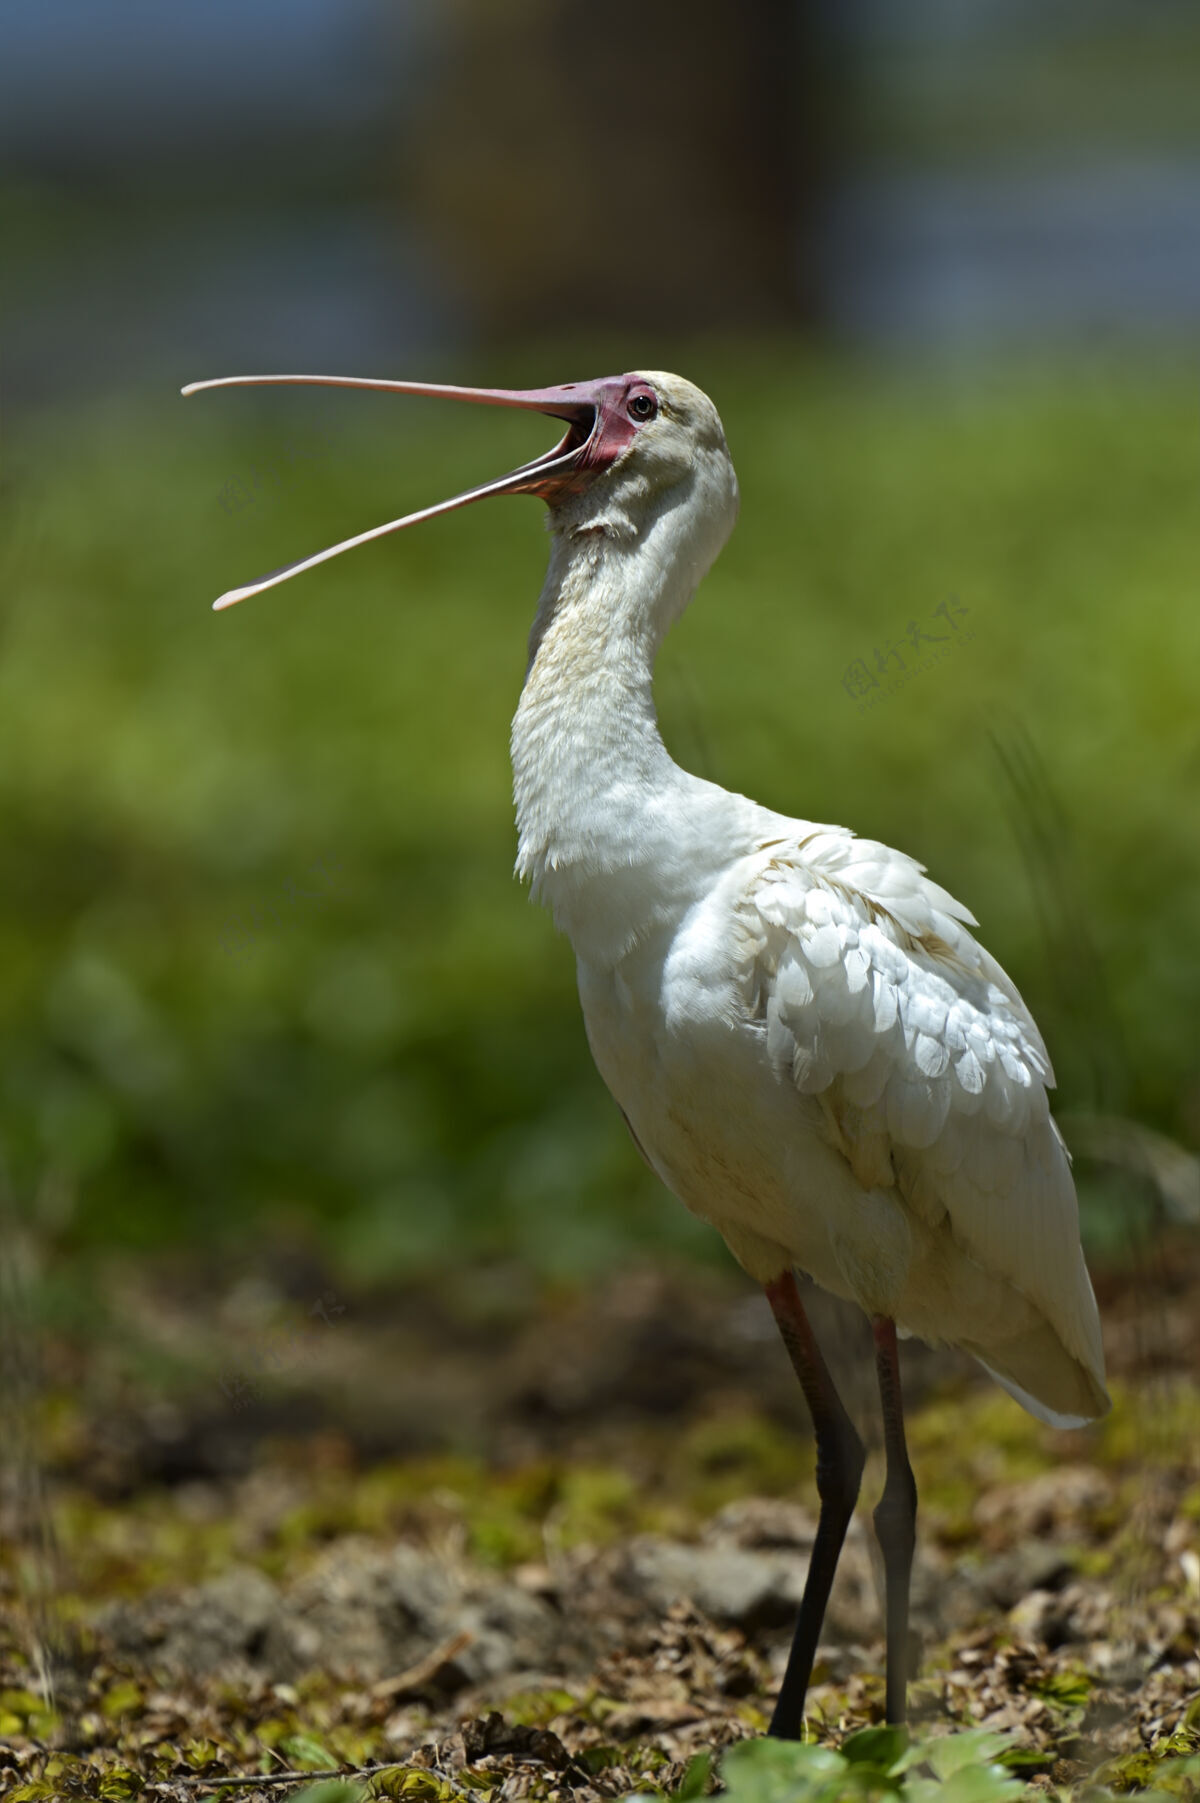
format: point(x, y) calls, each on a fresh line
point(1036, 1368)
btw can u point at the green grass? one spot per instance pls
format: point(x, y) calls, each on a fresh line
point(387, 1051)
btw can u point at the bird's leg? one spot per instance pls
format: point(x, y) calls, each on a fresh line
point(895, 1518)
point(840, 1459)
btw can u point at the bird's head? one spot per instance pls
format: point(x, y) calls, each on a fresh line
point(636, 449)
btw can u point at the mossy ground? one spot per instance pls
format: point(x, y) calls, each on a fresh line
point(1060, 1600)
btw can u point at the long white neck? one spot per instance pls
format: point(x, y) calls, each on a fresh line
point(615, 837)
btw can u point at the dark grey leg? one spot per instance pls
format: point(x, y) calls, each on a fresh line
point(840, 1459)
point(895, 1518)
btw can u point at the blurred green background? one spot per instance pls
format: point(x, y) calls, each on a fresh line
point(267, 976)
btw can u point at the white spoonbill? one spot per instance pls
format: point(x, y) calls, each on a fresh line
point(807, 1043)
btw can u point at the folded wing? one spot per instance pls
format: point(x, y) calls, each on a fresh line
point(928, 1065)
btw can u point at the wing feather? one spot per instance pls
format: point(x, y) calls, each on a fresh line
point(927, 1062)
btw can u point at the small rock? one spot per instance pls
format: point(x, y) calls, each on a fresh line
point(364, 1609)
point(361, 1610)
point(758, 1522)
point(742, 1589)
point(212, 1626)
point(509, 1629)
point(1013, 1575)
point(1040, 1505)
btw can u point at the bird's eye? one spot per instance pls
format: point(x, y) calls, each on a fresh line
point(643, 407)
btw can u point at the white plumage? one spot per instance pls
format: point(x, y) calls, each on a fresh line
point(819, 1058)
point(932, 1080)
point(807, 1043)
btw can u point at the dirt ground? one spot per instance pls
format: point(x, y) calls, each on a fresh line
point(516, 1545)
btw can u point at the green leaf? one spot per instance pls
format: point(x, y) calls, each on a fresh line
point(415, 1785)
point(302, 1749)
point(119, 1784)
point(21, 1702)
point(781, 1771)
point(201, 1752)
point(1018, 1759)
point(970, 1784)
point(123, 1699)
point(1069, 1689)
point(600, 1757)
point(695, 1778)
point(536, 1708)
point(882, 1747)
point(974, 1746)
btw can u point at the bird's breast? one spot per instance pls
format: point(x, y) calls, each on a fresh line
point(689, 1068)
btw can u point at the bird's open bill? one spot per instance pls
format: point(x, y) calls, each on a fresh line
point(598, 429)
